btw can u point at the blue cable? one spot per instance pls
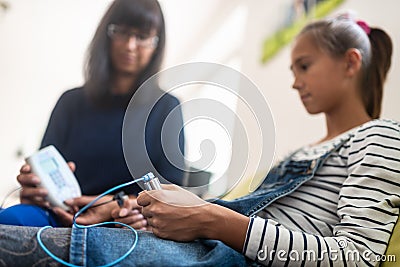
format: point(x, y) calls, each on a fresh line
point(145, 178)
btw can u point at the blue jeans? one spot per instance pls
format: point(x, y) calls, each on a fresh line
point(99, 246)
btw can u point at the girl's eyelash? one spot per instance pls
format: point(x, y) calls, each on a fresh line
point(304, 66)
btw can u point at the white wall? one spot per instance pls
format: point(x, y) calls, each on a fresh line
point(42, 47)
point(43, 43)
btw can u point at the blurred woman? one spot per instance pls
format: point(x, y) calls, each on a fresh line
point(86, 123)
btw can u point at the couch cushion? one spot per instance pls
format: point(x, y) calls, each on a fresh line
point(393, 250)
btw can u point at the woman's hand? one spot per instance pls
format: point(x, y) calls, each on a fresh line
point(176, 214)
point(31, 191)
point(92, 215)
point(130, 213)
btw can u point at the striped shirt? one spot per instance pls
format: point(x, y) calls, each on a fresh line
point(345, 214)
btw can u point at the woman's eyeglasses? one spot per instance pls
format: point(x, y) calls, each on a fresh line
point(123, 33)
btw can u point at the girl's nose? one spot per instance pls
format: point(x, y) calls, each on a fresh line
point(296, 84)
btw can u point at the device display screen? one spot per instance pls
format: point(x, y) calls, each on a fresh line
point(49, 165)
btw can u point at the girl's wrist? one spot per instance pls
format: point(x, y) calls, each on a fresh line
point(226, 225)
point(209, 222)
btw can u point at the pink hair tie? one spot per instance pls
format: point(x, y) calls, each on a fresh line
point(364, 26)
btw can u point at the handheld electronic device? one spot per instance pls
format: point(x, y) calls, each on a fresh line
point(55, 176)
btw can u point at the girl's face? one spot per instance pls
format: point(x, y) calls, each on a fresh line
point(319, 78)
point(131, 50)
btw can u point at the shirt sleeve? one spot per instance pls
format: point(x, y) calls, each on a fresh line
point(368, 209)
point(58, 126)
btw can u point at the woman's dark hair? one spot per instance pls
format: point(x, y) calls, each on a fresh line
point(337, 36)
point(144, 15)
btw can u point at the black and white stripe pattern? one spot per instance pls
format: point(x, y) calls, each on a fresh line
point(348, 208)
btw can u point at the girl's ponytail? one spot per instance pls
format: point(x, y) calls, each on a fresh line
point(381, 46)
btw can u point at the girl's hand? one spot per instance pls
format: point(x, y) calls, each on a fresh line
point(179, 215)
point(175, 213)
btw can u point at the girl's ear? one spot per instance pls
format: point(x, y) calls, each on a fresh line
point(353, 59)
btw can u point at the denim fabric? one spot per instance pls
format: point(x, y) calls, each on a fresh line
point(99, 246)
point(282, 180)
